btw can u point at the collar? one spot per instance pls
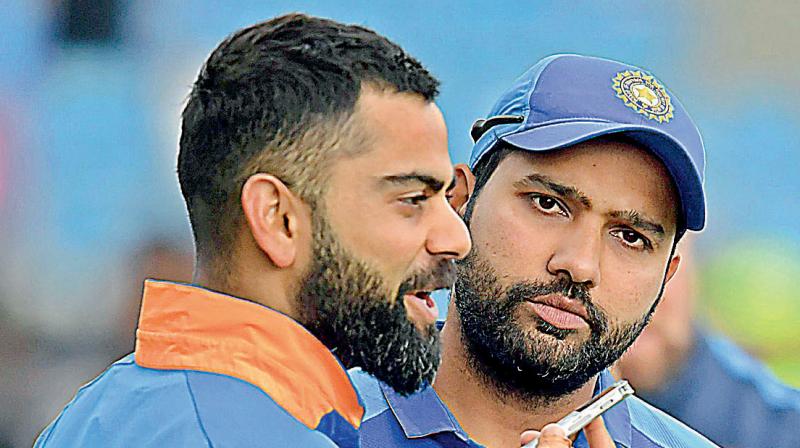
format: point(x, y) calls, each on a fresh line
point(423, 414)
point(183, 327)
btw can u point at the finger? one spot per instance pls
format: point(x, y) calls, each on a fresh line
point(551, 441)
point(597, 435)
point(528, 436)
point(553, 436)
point(553, 429)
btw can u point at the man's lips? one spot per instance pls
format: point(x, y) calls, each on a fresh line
point(561, 312)
point(421, 307)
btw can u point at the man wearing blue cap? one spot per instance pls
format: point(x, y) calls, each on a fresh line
point(582, 179)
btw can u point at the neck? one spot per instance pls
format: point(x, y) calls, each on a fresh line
point(247, 281)
point(489, 417)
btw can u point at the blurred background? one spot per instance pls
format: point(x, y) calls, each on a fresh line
point(90, 98)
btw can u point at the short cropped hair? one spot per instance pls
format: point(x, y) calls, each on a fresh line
point(278, 97)
point(483, 171)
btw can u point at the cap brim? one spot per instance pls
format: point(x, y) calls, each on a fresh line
point(671, 152)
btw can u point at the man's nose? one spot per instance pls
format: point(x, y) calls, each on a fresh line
point(578, 256)
point(448, 235)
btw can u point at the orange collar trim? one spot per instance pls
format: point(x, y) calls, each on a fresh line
point(183, 327)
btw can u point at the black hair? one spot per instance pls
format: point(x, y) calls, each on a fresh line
point(483, 171)
point(258, 97)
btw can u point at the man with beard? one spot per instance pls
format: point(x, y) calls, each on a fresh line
point(582, 179)
point(314, 166)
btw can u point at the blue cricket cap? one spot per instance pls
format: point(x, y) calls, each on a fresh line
point(567, 99)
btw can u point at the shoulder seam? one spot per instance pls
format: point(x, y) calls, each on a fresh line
point(196, 411)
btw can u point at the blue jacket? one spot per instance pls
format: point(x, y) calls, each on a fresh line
point(212, 370)
point(731, 398)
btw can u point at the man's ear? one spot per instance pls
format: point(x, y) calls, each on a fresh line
point(465, 184)
point(673, 267)
point(272, 214)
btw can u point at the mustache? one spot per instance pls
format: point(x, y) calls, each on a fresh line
point(441, 275)
point(564, 286)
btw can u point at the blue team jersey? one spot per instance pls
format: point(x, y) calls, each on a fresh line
point(212, 370)
point(731, 397)
point(422, 420)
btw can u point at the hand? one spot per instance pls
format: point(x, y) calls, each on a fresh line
point(553, 436)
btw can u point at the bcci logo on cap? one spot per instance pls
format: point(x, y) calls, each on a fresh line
point(642, 93)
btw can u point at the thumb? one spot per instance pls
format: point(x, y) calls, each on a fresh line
point(597, 435)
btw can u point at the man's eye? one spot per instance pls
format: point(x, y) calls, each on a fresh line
point(632, 238)
point(548, 205)
point(414, 200)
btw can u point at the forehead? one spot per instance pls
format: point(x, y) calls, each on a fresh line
point(404, 133)
point(613, 175)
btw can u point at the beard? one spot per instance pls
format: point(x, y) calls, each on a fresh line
point(540, 364)
point(348, 307)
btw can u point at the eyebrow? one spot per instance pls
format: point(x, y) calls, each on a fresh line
point(633, 217)
point(429, 181)
point(637, 220)
point(567, 191)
